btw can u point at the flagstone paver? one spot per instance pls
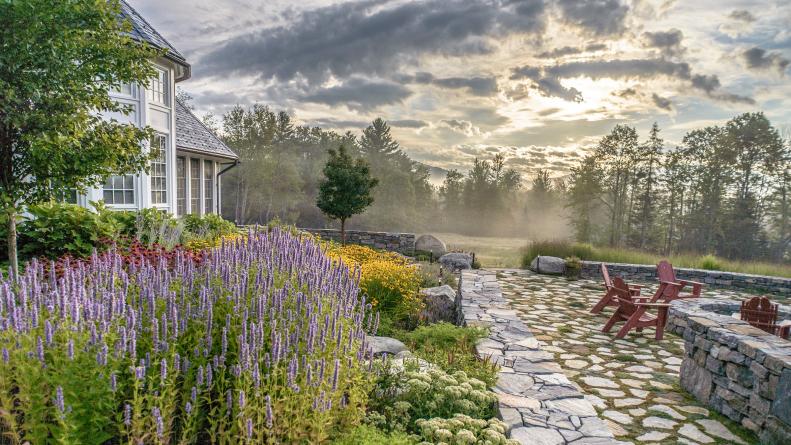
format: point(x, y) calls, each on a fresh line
point(633, 383)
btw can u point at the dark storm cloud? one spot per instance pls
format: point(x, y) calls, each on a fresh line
point(547, 79)
point(372, 37)
point(359, 94)
point(742, 15)
point(662, 102)
point(598, 17)
point(479, 86)
point(668, 42)
point(760, 59)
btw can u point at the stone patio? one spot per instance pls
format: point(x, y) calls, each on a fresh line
point(633, 383)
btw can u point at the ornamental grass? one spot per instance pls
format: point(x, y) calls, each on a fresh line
point(261, 342)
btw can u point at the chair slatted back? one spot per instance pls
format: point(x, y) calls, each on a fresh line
point(761, 313)
point(606, 274)
point(664, 270)
point(625, 302)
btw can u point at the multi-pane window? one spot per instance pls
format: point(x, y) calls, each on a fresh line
point(119, 190)
point(158, 87)
point(208, 186)
point(159, 170)
point(125, 89)
point(195, 186)
point(181, 185)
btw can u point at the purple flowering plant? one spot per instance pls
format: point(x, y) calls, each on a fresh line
point(262, 342)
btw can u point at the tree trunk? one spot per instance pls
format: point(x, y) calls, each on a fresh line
point(12, 255)
point(343, 231)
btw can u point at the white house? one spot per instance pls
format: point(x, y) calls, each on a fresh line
point(185, 176)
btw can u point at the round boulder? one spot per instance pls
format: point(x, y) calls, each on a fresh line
point(456, 261)
point(548, 265)
point(385, 345)
point(430, 243)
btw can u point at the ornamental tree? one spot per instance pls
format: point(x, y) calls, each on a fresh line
point(58, 60)
point(346, 189)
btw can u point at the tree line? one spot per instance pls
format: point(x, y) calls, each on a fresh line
point(724, 190)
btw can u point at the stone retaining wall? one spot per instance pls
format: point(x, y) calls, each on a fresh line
point(642, 272)
point(734, 368)
point(403, 243)
point(536, 400)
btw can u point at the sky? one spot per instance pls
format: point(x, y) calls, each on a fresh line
point(539, 81)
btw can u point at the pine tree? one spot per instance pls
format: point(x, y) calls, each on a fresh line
point(346, 189)
point(643, 215)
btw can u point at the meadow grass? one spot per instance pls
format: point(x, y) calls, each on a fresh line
point(564, 249)
point(495, 252)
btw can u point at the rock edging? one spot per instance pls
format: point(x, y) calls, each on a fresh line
point(714, 278)
point(734, 368)
point(403, 243)
point(538, 403)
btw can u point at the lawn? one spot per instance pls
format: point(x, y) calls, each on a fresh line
point(490, 251)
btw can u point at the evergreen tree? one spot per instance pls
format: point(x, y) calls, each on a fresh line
point(584, 195)
point(643, 234)
point(617, 153)
point(346, 189)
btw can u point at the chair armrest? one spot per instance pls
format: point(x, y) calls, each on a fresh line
point(685, 282)
point(636, 286)
point(672, 283)
point(659, 305)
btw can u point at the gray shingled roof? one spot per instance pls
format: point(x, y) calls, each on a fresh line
point(192, 135)
point(143, 31)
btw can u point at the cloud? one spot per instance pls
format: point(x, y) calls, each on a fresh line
point(461, 126)
point(478, 86)
point(359, 94)
point(742, 15)
point(571, 50)
point(668, 42)
point(372, 37)
point(597, 17)
point(759, 59)
point(408, 123)
point(337, 123)
point(547, 79)
point(555, 132)
point(662, 102)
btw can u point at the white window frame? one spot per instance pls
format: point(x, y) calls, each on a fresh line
point(160, 162)
point(158, 91)
point(123, 190)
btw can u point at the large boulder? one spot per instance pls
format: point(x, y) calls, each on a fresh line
point(440, 304)
point(548, 265)
point(385, 345)
point(456, 261)
point(430, 243)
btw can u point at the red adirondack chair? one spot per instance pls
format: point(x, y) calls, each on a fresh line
point(633, 311)
point(609, 298)
point(761, 313)
point(670, 288)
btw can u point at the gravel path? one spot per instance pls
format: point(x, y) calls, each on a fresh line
point(633, 383)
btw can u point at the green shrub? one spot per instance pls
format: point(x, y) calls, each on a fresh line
point(710, 262)
point(452, 348)
point(573, 267)
point(369, 435)
point(404, 395)
point(57, 229)
point(211, 225)
point(556, 248)
point(464, 430)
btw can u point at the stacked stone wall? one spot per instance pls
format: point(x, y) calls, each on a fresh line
point(736, 369)
point(403, 243)
point(642, 272)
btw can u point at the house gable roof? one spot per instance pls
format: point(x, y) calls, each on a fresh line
point(192, 135)
point(143, 31)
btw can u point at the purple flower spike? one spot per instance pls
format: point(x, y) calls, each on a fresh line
point(269, 417)
point(59, 402)
point(127, 415)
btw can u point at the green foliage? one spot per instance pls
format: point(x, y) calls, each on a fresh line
point(369, 435)
point(573, 267)
point(452, 348)
point(59, 60)
point(464, 430)
point(620, 255)
point(710, 262)
point(56, 229)
point(210, 226)
point(556, 248)
point(405, 394)
point(346, 189)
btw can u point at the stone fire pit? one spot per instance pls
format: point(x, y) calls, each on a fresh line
point(734, 368)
